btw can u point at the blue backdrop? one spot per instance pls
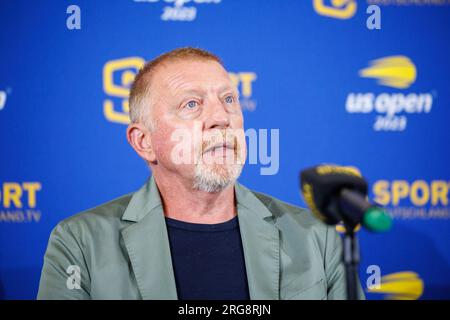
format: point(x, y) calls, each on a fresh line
point(337, 91)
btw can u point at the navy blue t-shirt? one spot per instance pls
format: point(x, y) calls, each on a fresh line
point(208, 260)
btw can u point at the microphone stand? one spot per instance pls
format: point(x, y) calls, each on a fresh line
point(351, 261)
point(353, 205)
point(350, 248)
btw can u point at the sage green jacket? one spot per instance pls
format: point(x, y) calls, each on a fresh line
point(121, 250)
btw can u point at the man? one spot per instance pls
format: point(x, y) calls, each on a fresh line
point(192, 231)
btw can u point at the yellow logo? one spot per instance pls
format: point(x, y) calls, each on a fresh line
point(419, 192)
point(245, 79)
point(340, 9)
point(394, 71)
point(417, 199)
point(405, 285)
point(244, 82)
point(13, 192)
point(125, 70)
point(18, 202)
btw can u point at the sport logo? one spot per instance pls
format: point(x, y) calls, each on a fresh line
point(244, 82)
point(416, 199)
point(18, 202)
point(397, 72)
point(340, 9)
point(118, 75)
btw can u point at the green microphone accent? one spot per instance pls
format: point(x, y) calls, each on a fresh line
point(377, 220)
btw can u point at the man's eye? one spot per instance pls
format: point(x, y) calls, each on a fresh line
point(192, 104)
point(229, 99)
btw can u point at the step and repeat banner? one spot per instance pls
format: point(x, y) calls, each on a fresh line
point(361, 83)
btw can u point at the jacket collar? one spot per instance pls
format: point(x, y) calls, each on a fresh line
point(147, 243)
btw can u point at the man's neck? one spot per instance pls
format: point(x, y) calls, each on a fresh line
point(181, 202)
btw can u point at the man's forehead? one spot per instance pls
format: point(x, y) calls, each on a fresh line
point(193, 74)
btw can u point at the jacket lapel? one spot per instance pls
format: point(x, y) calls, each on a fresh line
point(147, 243)
point(260, 241)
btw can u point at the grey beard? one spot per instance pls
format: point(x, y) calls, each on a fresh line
point(215, 178)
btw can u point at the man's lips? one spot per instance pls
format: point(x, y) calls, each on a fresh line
point(220, 146)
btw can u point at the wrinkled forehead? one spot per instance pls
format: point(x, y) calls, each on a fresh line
point(177, 77)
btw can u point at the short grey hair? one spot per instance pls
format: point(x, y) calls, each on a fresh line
point(139, 101)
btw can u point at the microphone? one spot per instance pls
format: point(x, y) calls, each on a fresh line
point(337, 193)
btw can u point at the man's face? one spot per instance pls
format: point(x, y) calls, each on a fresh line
point(197, 123)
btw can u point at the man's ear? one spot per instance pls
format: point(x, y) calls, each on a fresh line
point(140, 138)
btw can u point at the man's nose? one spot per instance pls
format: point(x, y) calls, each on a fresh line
point(216, 116)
